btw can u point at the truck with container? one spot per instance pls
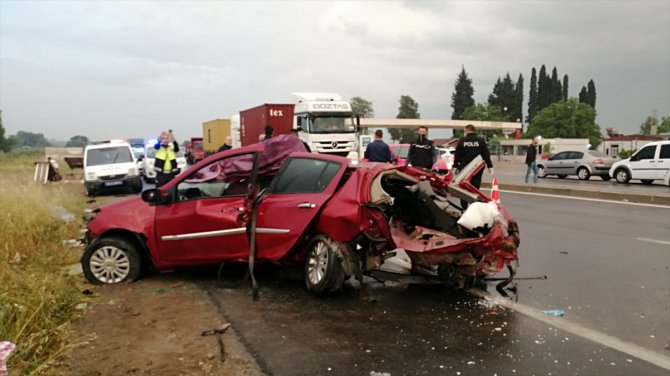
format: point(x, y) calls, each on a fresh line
point(194, 151)
point(324, 122)
point(214, 133)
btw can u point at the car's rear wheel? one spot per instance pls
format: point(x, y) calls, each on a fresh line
point(647, 181)
point(323, 268)
point(562, 176)
point(111, 260)
point(583, 173)
point(541, 172)
point(622, 176)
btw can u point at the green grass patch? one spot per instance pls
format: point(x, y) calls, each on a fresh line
point(37, 298)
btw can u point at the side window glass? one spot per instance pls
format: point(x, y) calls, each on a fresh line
point(665, 151)
point(576, 155)
point(559, 156)
point(646, 152)
point(223, 178)
point(304, 175)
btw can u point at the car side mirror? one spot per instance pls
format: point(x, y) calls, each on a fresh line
point(152, 196)
point(140, 158)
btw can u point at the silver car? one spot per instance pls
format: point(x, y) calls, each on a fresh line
point(584, 164)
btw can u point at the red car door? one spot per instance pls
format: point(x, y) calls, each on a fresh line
point(294, 198)
point(205, 223)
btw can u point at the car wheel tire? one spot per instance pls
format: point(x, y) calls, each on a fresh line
point(111, 260)
point(562, 176)
point(323, 268)
point(541, 172)
point(622, 176)
point(605, 177)
point(583, 173)
point(647, 181)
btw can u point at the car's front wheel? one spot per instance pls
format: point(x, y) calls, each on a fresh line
point(622, 176)
point(583, 173)
point(111, 260)
point(541, 172)
point(323, 268)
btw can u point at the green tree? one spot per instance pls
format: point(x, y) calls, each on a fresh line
point(29, 139)
point(533, 105)
point(565, 88)
point(5, 144)
point(462, 97)
point(583, 95)
point(504, 96)
point(543, 89)
point(556, 89)
point(409, 109)
point(591, 90)
point(571, 119)
point(517, 108)
point(362, 108)
point(484, 112)
point(77, 141)
point(663, 127)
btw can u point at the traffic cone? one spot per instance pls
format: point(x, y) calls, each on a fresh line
point(495, 195)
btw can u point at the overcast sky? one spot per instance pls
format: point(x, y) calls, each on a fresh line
point(109, 69)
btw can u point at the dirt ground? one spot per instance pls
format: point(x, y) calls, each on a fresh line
point(153, 327)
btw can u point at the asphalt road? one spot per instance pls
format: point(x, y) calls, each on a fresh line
point(607, 266)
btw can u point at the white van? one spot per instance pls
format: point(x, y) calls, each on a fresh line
point(650, 163)
point(146, 163)
point(110, 165)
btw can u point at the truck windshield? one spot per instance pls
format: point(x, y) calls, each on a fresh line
point(331, 124)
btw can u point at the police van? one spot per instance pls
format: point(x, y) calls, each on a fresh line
point(110, 166)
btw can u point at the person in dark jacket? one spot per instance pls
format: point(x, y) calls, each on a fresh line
point(166, 158)
point(467, 149)
point(422, 153)
point(531, 155)
point(377, 150)
point(227, 145)
point(269, 132)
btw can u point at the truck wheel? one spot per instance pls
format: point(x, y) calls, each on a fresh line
point(323, 269)
point(111, 260)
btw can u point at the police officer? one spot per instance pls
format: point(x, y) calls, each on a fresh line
point(468, 148)
point(166, 158)
point(422, 153)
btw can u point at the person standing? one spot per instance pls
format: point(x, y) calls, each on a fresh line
point(227, 145)
point(269, 132)
point(531, 155)
point(467, 149)
point(377, 150)
point(165, 164)
point(421, 153)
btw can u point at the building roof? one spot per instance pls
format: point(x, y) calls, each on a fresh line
point(634, 137)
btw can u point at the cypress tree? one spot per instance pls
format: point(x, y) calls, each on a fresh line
point(565, 88)
point(517, 112)
point(532, 96)
point(543, 89)
point(504, 96)
point(556, 90)
point(591, 91)
point(462, 97)
point(583, 95)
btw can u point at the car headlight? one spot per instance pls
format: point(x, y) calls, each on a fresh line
point(91, 176)
point(132, 171)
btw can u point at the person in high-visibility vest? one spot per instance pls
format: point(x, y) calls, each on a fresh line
point(165, 164)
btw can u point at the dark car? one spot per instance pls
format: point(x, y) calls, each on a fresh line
point(273, 202)
point(583, 164)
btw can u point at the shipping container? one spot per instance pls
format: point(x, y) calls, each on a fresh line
point(214, 133)
point(254, 120)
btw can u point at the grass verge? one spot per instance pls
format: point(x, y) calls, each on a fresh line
point(37, 298)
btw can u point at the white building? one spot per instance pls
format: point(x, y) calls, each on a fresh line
point(613, 145)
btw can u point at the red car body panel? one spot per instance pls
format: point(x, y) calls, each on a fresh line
point(211, 230)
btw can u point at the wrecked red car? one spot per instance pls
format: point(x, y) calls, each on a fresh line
point(275, 203)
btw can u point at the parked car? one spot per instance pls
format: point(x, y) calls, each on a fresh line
point(650, 163)
point(584, 164)
point(110, 166)
point(273, 202)
point(147, 162)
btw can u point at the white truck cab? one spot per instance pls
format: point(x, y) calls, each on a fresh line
point(110, 165)
point(325, 122)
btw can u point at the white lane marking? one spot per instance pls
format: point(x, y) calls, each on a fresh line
point(653, 241)
point(603, 339)
point(584, 199)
